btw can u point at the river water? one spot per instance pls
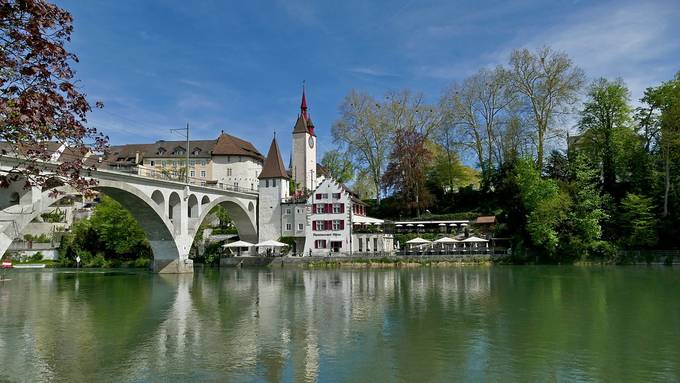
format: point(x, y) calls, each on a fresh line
point(609, 324)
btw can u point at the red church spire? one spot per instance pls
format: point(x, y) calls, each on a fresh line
point(303, 105)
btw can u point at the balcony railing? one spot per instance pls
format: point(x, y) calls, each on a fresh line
point(177, 177)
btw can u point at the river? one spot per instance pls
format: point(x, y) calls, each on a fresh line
point(501, 323)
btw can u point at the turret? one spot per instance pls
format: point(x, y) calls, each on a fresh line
point(273, 189)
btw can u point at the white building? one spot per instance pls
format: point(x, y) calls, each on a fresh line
point(323, 216)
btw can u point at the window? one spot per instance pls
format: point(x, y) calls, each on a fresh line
point(228, 172)
point(163, 163)
point(337, 208)
point(252, 186)
point(320, 244)
point(273, 183)
point(203, 173)
point(235, 185)
point(192, 163)
point(360, 245)
point(202, 162)
point(153, 163)
point(336, 195)
point(289, 227)
point(336, 224)
point(174, 164)
point(318, 225)
point(300, 227)
point(318, 196)
point(319, 208)
point(192, 174)
point(324, 195)
point(266, 183)
point(288, 211)
point(375, 244)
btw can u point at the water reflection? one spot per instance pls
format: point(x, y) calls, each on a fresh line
point(424, 324)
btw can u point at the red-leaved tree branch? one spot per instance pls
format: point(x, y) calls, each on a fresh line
point(41, 108)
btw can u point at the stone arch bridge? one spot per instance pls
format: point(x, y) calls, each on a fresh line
point(169, 212)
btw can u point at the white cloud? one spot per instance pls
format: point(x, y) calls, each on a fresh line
point(633, 41)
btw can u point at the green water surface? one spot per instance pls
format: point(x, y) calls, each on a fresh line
point(504, 324)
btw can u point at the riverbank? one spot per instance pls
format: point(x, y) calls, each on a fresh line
point(357, 262)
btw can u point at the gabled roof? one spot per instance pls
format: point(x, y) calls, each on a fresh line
point(273, 164)
point(228, 145)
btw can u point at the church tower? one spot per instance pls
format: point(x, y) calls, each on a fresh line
point(303, 164)
point(273, 188)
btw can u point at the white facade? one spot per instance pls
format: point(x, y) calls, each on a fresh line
point(237, 171)
point(272, 192)
point(304, 160)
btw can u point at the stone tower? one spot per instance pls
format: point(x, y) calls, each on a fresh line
point(303, 164)
point(273, 188)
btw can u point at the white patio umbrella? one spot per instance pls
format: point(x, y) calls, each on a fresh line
point(476, 240)
point(445, 240)
point(271, 243)
point(417, 241)
point(238, 245)
point(421, 225)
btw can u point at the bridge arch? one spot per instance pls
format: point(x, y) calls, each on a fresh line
point(192, 206)
point(239, 213)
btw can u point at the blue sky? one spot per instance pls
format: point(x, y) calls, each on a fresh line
point(238, 66)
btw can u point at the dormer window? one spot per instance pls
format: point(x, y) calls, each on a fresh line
point(161, 151)
point(179, 151)
point(196, 151)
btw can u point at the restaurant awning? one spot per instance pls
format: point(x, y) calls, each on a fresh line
point(417, 241)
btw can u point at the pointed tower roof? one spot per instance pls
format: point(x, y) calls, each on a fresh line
point(273, 164)
point(303, 104)
point(304, 123)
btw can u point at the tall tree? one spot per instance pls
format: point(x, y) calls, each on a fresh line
point(477, 107)
point(39, 101)
point(407, 171)
point(338, 165)
point(664, 101)
point(367, 138)
point(605, 120)
point(549, 83)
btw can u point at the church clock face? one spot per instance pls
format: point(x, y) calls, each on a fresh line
point(311, 142)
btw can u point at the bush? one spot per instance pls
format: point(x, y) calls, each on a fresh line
point(42, 238)
point(142, 263)
point(37, 257)
point(605, 251)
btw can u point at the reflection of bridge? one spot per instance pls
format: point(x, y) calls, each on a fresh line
point(169, 212)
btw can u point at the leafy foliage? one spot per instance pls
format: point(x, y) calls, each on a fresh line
point(110, 235)
point(39, 100)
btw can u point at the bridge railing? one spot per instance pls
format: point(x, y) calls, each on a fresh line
point(166, 175)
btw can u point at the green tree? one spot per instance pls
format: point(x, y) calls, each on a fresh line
point(582, 228)
point(545, 206)
point(637, 222)
point(664, 101)
point(338, 165)
point(605, 124)
point(111, 234)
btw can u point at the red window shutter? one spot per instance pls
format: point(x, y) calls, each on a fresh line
point(318, 195)
point(328, 225)
point(329, 208)
point(342, 208)
point(313, 225)
point(342, 225)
